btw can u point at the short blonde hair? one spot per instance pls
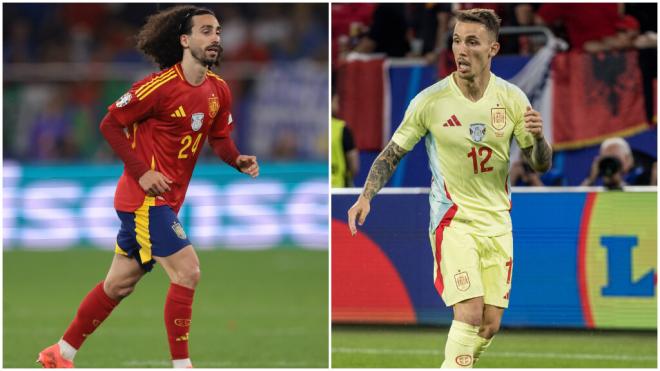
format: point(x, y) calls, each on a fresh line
point(616, 141)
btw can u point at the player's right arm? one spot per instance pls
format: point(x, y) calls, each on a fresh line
point(380, 172)
point(153, 183)
point(410, 131)
point(133, 107)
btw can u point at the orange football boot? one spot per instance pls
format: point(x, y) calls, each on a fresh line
point(52, 358)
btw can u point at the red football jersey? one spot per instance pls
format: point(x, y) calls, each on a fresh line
point(167, 120)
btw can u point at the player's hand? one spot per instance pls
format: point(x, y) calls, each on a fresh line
point(533, 123)
point(154, 183)
point(359, 211)
point(248, 165)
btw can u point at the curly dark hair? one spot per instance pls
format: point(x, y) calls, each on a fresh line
point(159, 37)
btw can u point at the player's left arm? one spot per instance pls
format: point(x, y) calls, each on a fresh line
point(539, 155)
point(225, 148)
point(221, 142)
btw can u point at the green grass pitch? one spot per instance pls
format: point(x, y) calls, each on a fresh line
point(408, 347)
point(252, 309)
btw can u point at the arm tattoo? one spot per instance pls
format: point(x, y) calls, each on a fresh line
point(539, 156)
point(382, 169)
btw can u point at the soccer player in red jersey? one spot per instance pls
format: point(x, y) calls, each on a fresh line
point(157, 129)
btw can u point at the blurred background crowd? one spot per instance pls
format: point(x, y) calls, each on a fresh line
point(65, 63)
point(423, 29)
point(417, 36)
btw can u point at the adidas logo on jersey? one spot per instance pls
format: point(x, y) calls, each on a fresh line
point(179, 112)
point(453, 121)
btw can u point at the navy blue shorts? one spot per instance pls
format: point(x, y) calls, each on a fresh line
point(150, 231)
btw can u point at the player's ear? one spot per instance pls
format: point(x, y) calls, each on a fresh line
point(494, 49)
point(183, 39)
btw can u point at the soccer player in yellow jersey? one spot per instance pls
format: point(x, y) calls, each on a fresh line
point(468, 120)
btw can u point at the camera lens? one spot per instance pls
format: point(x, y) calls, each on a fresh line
point(609, 166)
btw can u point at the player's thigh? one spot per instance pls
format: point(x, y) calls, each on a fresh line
point(166, 234)
point(124, 273)
point(148, 232)
point(497, 269)
point(470, 311)
point(182, 266)
point(457, 265)
point(493, 316)
point(133, 239)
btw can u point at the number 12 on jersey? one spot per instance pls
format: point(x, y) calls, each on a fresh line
point(484, 154)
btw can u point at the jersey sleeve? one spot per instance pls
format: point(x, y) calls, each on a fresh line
point(219, 136)
point(413, 126)
point(520, 104)
point(137, 104)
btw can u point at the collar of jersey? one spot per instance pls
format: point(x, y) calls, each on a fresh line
point(179, 71)
point(458, 91)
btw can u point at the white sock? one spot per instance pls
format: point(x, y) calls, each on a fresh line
point(67, 350)
point(181, 363)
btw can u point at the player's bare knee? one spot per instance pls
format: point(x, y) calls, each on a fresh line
point(488, 330)
point(189, 277)
point(117, 290)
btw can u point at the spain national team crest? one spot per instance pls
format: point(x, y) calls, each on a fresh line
point(178, 229)
point(214, 106)
point(498, 118)
point(462, 281)
point(477, 132)
point(197, 120)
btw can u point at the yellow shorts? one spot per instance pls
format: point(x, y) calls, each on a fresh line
point(468, 266)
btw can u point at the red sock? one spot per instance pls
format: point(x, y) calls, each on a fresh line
point(93, 310)
point(178, 312)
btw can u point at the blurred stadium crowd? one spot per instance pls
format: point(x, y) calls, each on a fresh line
point(65, 63)
point(422, 29)
point(421, 32)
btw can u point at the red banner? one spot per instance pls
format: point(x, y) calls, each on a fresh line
point(360, 88)
point(596, 96)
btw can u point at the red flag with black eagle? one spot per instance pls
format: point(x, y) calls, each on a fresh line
point(596, 96)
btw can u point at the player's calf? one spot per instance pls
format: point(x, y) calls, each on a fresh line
point(489, 327)
point(183, 269)
point(461, 343)
point(93, 310)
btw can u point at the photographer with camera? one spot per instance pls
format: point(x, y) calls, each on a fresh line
point(612, 165)
point(521, 174)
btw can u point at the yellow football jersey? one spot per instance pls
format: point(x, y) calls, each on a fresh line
point(468, 147)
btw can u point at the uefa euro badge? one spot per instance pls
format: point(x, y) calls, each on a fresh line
point(197, 119)
point(498, 120)
point(214, 106)
point(462, 281)
point(178, 229)
point(123, 100)
point(477, 132)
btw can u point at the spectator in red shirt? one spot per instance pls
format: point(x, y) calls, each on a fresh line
point(583, 22)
